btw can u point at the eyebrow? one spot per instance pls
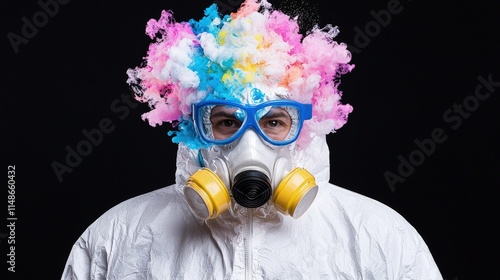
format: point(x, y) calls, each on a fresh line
point(223, 114)
point(276, 114)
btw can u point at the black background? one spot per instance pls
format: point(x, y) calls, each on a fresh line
point(428, 57)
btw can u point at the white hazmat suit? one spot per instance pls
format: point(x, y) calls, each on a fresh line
point(343, 235)
point(248, 79)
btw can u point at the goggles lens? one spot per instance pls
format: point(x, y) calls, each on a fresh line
point(279, 122)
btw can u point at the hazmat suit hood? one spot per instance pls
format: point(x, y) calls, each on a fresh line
point(225, 58)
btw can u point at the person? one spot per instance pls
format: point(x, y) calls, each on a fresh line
point(252, 101)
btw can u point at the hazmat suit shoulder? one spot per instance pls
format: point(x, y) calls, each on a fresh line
point(135, 238)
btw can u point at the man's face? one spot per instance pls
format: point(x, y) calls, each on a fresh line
point(226, 121)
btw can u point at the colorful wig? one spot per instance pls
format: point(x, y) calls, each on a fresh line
point(221, 58)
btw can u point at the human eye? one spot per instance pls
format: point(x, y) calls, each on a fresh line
point(276, 123)
point(224, 122)
point(227, 123)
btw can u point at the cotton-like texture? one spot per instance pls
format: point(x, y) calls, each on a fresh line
point(223, 56)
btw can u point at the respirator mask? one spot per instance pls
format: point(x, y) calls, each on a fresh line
point(250, 158)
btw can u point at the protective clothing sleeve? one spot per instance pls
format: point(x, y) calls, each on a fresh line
point(78, 263)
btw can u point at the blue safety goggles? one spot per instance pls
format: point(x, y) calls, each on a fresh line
point(278, 121)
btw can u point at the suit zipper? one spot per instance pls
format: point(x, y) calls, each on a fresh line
point(249, 245)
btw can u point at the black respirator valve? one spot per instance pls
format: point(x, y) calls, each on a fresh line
point(251, 189)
